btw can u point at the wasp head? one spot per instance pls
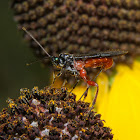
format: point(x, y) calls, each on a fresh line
point(58, 61)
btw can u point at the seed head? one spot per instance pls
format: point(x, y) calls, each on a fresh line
point(51, 114)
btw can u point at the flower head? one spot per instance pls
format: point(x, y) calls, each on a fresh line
point(50, 114)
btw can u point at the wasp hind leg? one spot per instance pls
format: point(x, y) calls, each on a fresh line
point(83, 74)
point(85, 93)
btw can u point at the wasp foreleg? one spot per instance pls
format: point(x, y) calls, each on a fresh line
point(55, 76)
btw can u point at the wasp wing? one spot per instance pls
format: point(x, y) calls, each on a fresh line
point(100, 54)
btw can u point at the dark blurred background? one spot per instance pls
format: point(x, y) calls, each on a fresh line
point(15, 53)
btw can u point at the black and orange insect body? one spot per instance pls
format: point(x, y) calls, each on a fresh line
point(76, 64)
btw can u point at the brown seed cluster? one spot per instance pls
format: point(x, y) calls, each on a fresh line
point(81, 26)
point(50, 114)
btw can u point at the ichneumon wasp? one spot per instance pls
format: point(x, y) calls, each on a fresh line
point(76, 64)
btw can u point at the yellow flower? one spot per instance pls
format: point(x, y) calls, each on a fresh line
point(120, 105)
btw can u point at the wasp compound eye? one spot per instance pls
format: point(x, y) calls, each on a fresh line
point(55, 60)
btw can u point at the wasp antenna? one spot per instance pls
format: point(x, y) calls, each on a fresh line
point(23, 28)
point(28, 64)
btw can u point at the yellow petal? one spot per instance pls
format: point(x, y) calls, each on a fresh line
point(103, 83)
point(121, 110)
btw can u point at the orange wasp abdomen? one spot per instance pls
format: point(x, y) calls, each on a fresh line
point(104, 63)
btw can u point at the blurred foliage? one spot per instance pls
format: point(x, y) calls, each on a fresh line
point(15, 53)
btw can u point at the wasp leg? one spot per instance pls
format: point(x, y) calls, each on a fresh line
point(92, 83)
point(85, 93)
point(83, 74)
point(55, 76)
point(97, 74)
point(64, 83)
point(65, 80)
point(75, 85)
